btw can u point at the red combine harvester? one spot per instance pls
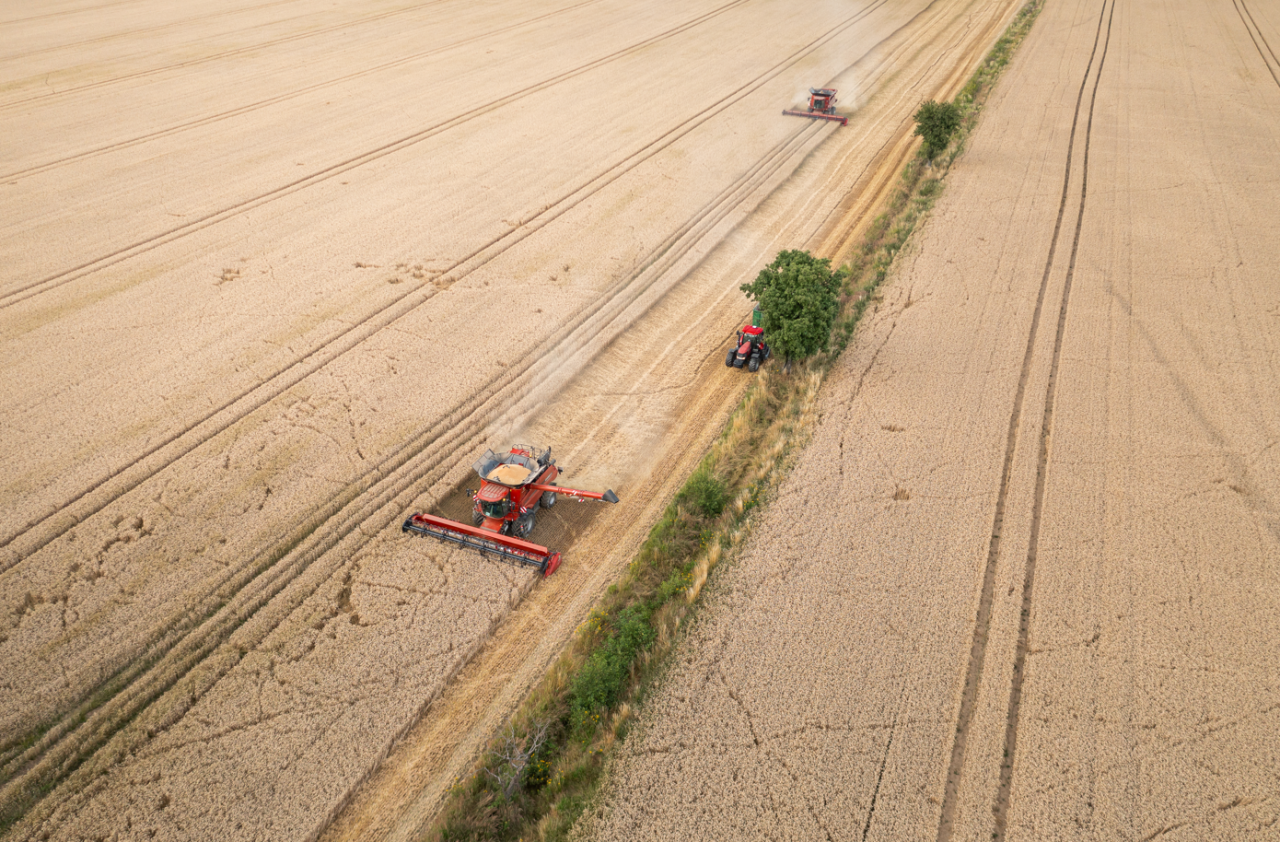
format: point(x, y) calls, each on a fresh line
point(822, 106)
point(751, 349)
point(512, 487)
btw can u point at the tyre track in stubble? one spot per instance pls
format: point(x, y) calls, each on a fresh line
point(238, 51)
point(416, 464)
point(977, 654)
point(1255, 35)
point(133, 33)
point(186, 229)
point(64, 12)
point(213, 422)
point(115, 484)
point(1001, 808)
point(210, 119)
point(362, 509)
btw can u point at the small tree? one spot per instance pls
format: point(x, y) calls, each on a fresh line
point(512, 756)
point(798, 296)
point(936, 122)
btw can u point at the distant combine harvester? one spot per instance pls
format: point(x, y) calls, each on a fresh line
point(822, 106)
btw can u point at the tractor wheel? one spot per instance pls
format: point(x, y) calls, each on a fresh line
point(476, 517)
point(728, 360)
point(548, 499)
point(767, 353)
point(754, 365)
point(523, 526)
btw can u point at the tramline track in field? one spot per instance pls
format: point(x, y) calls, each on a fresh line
point(512, 384)
point(417, 470)
point(177, 444)
point(74, 273)
point(66, 12)
point(378, 496)
point(276, 100)
point(238, 51)
point(1259, 40)
point(1001, 806)
point(130, 33)
point(982, 629)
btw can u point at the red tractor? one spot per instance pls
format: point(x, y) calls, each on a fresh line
point(751, 349)
point(512, 488)
point(822, 106)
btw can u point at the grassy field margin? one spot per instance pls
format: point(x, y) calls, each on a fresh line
point(537, 777)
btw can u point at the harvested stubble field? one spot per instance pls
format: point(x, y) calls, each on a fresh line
point(1024, 581)
point(276, 273)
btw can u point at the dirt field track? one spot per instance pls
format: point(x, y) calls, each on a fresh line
point(1024, 582)
point(275, 273)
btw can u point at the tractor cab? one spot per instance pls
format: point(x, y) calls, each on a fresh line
point(751, 350)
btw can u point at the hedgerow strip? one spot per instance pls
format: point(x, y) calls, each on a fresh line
point(590, 695)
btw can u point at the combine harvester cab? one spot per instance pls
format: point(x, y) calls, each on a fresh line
point(822, 106)
point(512, 488)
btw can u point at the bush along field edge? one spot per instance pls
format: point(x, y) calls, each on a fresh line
point(546, 767)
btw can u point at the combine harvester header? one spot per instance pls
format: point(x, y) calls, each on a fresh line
point(822, 106)
point(512, 488)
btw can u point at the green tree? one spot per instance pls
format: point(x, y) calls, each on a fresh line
point(798, 295)
point(936, 122)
